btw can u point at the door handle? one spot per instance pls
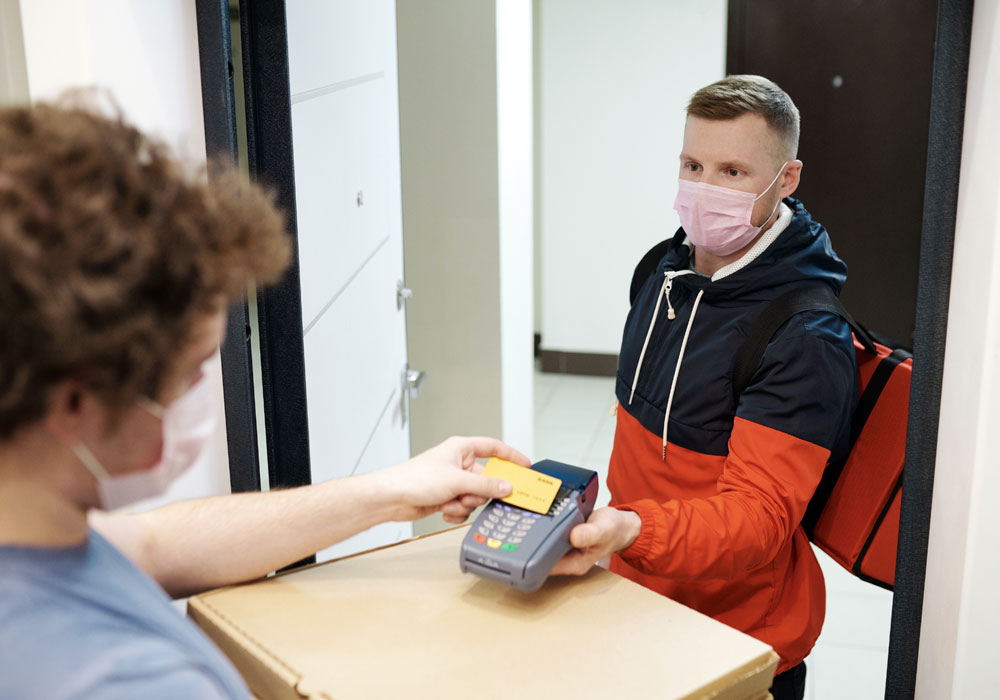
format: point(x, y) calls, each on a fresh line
point(412, 381)
point(402, 294)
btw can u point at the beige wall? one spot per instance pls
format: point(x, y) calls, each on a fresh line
point(13, 73)
point(448, 134)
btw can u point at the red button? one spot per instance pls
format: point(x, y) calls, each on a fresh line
point(479, 538)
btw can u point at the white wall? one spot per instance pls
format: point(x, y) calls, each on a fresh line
point(515, 156)
point(961, 616)
point(146, 55)
point(615, 78)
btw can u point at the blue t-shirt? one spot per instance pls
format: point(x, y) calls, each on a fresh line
point(85, 622)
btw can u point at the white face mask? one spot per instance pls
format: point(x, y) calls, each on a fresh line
point(188, 424)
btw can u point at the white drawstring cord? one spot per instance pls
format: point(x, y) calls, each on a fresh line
point(668, 285)
point(645, 343)
point(665, 288)
point(677, 370)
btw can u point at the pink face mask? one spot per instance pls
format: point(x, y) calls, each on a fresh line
point(717, 219)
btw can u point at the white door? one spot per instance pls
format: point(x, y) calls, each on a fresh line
point(345, 139)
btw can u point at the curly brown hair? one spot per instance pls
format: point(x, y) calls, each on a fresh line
point(110, 253)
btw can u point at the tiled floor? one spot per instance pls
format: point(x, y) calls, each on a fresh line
point(573, 424)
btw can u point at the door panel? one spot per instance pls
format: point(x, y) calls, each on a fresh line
point(860, 74)
point(333, 41)
point(341, 163)
point(379, 452)
point(345, 123)
point(354, 358)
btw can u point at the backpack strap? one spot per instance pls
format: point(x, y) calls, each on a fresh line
point(750, 354)
point(647, 266)
point(775, 315)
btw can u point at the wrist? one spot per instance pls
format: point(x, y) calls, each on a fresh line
point(377, 496)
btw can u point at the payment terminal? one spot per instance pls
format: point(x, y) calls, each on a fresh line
point(519, 547)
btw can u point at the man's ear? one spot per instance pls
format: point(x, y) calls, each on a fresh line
point(72, 413)
point(790, 178)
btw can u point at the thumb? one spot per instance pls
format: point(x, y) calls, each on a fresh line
point(485, 486)
point(582, 536)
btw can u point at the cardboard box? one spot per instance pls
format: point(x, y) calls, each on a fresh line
point(404, 622)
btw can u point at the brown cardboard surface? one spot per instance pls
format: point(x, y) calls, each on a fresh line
point(403, 621)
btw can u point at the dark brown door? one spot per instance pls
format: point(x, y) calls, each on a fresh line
point(860, 73)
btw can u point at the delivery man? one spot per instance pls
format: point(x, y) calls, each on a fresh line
point(707, 491)
point(116, 269)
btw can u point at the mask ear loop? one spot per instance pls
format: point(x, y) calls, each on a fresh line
point(155, 409)
point(91, 462)
point(775, 208)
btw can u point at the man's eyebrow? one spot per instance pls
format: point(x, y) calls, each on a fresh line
point(734, 163)
point(738, 164)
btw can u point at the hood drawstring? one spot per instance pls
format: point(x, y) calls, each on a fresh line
point(668, 283)
point(677, 370)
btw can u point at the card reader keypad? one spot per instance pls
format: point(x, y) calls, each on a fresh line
point(506, 526)
point(517, 547)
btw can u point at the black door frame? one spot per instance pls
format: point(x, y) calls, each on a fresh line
point(267, 111)
point(937, 243)
point(219, 106)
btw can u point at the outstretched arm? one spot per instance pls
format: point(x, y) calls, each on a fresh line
point(787, 422)
point(195, 545)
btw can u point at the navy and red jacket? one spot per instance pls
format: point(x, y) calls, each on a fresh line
point(721, 484)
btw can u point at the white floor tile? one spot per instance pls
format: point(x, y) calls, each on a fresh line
point(562, 445)
point(574, 387)
point(545, 388)
point(585, 416)
point(857, 620)
point(845, 673)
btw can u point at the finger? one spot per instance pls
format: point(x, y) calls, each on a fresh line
point(469, 484)
point(491, 447)
point(472, 502)
point(452, 508)
point(573, 564)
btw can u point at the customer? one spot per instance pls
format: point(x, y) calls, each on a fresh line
point(116, 270)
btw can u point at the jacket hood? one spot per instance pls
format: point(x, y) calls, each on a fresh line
point(802, 252)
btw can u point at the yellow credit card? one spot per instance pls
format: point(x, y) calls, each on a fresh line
point(530, 490)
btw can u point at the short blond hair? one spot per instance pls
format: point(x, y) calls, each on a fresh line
point(736, 95)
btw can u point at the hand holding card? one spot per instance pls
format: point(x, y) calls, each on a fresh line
point(531, 490)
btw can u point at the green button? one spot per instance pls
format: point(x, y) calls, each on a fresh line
point(509, 547)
